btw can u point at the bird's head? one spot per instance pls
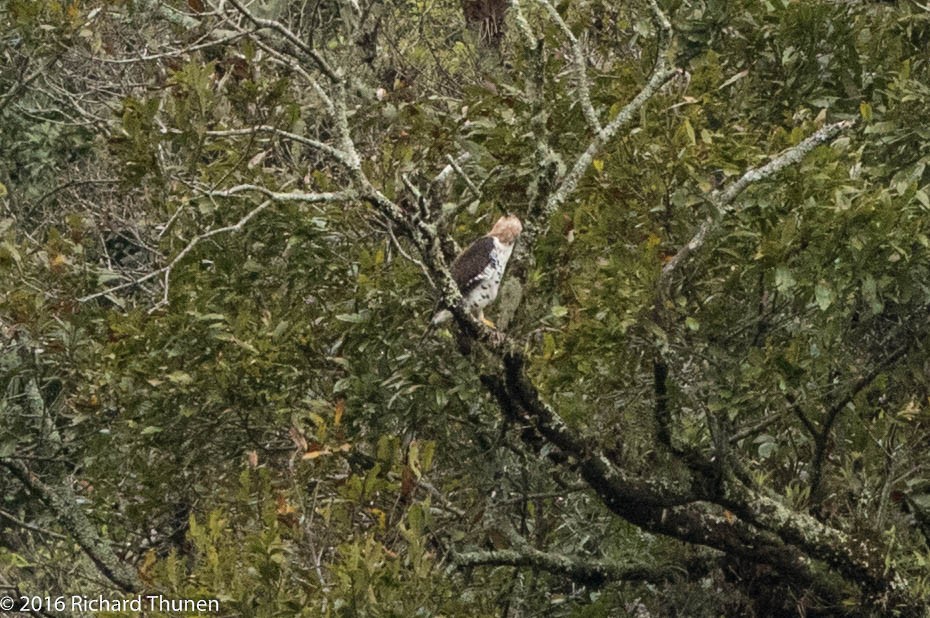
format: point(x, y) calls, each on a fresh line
point(507, 229)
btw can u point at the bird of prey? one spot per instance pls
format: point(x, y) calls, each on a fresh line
point(479, 269)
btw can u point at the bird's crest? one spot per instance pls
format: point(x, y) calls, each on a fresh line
point(507, 229)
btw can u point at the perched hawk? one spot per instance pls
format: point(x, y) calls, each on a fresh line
point(479, 269)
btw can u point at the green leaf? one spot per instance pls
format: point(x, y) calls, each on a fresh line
point(922, 197)
point(354, 318)
point(180, 377)
point(7, 448)
point(766, 449)
point(824, 295)
point(689, 131)
point(865, 110)
point(9, 252)
point(784, 281)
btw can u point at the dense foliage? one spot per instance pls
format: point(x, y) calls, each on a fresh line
point(224, 228)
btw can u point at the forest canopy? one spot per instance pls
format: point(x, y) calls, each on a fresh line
point(225, 226)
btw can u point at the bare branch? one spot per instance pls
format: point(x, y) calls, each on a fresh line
point(170, 14)
point(468, 182)
point(20, 86)
point(582, 85)
point(27, 526)
point(661, 73)
point(723, 200)
point(295, 66)
point(292, 38)
point(176, 52)
point(272, 197)
point(579, 568)
point(336, 154)
point(444, 174)
point(276, 196)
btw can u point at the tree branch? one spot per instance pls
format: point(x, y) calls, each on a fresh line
point(723, 200)
point(271, 196)
point(661, 73)
point(63, 504)
point(291, 38)
point(578, 568)
point(582, 85)
point(334, 153)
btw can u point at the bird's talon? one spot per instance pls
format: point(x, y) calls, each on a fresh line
point(488, 323)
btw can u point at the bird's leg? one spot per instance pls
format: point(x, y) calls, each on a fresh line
point(486, 321)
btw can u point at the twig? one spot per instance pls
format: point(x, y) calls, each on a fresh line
point(335, 153)
point(27, 526)
point(292, 38)
point(755, 428)
point(821, 438)
point(458, 170)
point(444, 174)
point(174, 53)
point(276, 196)
point(295, 66)
point(166, 270)
point(236, 227)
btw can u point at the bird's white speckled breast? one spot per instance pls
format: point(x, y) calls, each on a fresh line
point(486, 291)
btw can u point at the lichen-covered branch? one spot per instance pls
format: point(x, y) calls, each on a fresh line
point(723, 201)
point(580, 62)
point(61, 501)
point(523, 25)
point(757, 528)
point(578, 568)
point(652, 505)
point(661, 73)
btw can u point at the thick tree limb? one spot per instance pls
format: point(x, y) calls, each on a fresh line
point(61, 501)
point(642, 503)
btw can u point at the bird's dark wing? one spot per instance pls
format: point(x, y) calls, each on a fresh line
point(468, 269)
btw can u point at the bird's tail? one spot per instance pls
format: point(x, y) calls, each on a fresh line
point(440, 316)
